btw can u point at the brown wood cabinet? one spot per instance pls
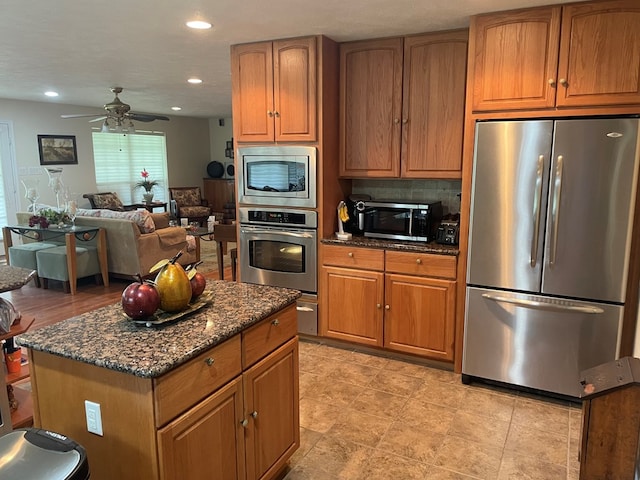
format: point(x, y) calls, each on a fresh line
point(402, 301)
point(218, 192)
point(274, 87)
point(583, 54)
point(213, 416)
point(402, 106)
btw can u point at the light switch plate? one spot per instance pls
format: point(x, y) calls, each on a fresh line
point(94, 417)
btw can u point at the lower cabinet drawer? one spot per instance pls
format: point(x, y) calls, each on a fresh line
point(427, 264)
point(185, 386)
point(264, 337)
point(353, 257)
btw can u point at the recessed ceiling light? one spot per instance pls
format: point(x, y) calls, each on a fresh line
point(198, 24)
point(51, 94)
point(195, 81)
point(176, 108)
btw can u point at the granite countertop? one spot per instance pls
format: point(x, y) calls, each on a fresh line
point(361, 241)
point(106, 338)
point(12, 278)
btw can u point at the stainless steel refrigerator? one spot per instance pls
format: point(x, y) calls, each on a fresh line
point(550, 234)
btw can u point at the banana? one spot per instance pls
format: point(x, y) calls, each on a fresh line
point(344, 214)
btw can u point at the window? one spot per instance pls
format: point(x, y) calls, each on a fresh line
point(119, 159)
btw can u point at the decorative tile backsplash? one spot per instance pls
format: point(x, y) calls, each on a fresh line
point(414, 190)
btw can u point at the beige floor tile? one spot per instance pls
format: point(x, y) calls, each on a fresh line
point(575, 422)
point(369, 360)
point(547, 446)
point(307, 346)
point(386, 466)
point(479, 429)
point(353, 373)
point(313, 364)
point(573, 460)
point(318, 416)
point(542, 416)
point(360, 428)
point(406, 368)
point(573, 474)
point(438, 473)
point(515, 467)
point(441, 375)
point(441, 393)
point(427, 416)
point(469, 458)
point(409, 441)
point(334, 392)
point(397, 383)
point(307, 382)
point(342, 458)
point(481, 402)
point(379, 403)
point(332, 354)
point(308, 439)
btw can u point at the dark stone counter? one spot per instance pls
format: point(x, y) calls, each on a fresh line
point(360, 241)
point(107, 338)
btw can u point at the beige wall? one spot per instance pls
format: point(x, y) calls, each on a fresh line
point(188, 146)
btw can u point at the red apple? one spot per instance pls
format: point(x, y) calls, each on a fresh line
point(198, 283)
point(140, 299)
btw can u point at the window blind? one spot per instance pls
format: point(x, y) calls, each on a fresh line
point(119, 159)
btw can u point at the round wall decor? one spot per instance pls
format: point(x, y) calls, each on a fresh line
point(215, 169)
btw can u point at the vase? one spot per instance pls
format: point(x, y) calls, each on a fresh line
point(148, 197)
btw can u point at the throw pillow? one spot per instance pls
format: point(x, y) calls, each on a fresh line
point(141, 218)
point(160, 220)
point(109, 201)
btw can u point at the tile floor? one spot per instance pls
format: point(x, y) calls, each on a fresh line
point(374, 418)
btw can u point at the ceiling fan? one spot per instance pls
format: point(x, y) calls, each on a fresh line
point(118, 115)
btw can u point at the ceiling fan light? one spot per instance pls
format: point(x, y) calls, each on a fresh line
point(198, 24)
point(105, 126)
point(194, 81)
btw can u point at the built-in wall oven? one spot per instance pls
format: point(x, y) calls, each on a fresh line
point(279, 248)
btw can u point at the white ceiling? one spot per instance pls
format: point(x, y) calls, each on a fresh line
point(81, 48)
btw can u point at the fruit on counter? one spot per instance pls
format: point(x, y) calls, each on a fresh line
point(173, 285)
point(198, 281)
point(343, 212)
point(140, 299)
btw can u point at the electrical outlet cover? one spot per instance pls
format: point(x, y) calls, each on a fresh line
point(94, 417)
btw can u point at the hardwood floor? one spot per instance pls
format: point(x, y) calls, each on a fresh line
point(53, 305)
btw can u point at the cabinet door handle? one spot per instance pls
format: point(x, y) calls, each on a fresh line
point(254, 414)
point(270, 113)
point(209, 361)
point(563, 82)
point(405, 121)
point(350, 254)
point(419, 261)
point(396, 121)
point(276, 113)
point(244, 422)
point(378, 306)
point(552, 82)
point(275, 323)
point(386, 307)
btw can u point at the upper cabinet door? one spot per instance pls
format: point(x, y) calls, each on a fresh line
point(370, 108)
point(515, 58)
point(252, 91)
point(600, 54)
point(295, 88)
point(435, 67)
point(274, 87)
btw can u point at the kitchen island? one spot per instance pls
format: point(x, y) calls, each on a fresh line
point(212, 395)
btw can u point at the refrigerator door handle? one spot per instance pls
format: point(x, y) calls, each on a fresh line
point(543, 305)
point(536, 211)
point(555, 208)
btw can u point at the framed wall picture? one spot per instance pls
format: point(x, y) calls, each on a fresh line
point(57, 149)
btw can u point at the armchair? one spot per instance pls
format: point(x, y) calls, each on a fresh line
point(187, 202)
point(107, 200)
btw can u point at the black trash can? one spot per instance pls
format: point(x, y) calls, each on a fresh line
point(35, 454)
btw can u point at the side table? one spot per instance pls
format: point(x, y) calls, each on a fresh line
point(147, 206)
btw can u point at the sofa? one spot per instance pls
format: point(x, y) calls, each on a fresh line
point(136, 240)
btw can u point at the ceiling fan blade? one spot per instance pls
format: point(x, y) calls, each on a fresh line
point(146, 117)
point(99, 119)
point(80, 115)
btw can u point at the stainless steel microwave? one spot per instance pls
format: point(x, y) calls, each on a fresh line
point(277, 175)
point(397, 220)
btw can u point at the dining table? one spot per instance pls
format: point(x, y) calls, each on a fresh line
point(222, 234)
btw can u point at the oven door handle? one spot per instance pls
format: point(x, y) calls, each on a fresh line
point(262, 231)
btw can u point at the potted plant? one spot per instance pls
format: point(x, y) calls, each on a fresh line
point(147, 185)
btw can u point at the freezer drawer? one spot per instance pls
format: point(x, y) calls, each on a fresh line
point(536, 341)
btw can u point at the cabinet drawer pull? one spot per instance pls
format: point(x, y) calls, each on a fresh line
point(275, 323)
point(244, 422)
point(350, 254)
point(254, 414)
point(386, 307)
point(419, 261)
point(209, 361)
point(378, 305)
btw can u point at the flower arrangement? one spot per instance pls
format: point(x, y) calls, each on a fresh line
point(49, 216)
point(145, 182)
